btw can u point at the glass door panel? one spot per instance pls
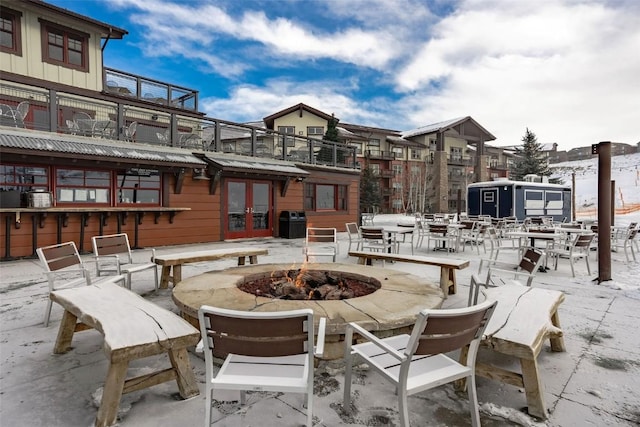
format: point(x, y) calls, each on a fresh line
point(237, 207)
point(248, 209)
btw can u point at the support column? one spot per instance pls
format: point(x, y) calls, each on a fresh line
point(440, 182)
point(603, 149)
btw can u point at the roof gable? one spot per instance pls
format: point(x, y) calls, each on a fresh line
point(471, 129)
point(269, 120)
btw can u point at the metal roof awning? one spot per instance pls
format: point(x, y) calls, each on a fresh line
point(252, 165)
point(13, 141)
point(233, 165)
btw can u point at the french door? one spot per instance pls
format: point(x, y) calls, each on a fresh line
point(248, 209)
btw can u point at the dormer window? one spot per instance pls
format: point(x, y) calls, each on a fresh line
point(10, 40)
point(64, 46)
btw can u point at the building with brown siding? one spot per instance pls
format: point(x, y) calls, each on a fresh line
point(89, 150)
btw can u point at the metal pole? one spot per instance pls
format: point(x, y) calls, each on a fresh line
point(604, 211)
point(613, 202)
point(573, 196)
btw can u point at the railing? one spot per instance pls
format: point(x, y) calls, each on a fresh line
point(380, 155)
point(458, 160)
point(496, 165)
point(130, 85)
point(68, 113)
point(387, 173)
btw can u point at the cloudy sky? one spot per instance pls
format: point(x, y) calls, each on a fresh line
point(569, 70)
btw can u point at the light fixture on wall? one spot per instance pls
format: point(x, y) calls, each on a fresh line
point(200, 175)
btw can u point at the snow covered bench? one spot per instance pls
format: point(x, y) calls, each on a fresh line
point(523, 319)
point(133, 328)
point(175, 261)
point(448, 266)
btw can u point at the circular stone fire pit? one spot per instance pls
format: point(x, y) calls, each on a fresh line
point(389, 310)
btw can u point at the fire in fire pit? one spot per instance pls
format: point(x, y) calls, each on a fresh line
point(301, 284)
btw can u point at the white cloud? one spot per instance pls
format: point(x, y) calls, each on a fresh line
point(567, 70)
point(250, 102)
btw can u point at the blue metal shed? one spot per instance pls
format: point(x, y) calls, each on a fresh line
point(520, 199)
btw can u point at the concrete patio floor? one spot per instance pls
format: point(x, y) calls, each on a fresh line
point(593, 383)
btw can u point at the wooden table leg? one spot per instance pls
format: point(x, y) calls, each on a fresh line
point(241, 260)
point(112, 394)
point(253, 259)
point(177, 274)
point(533, 388)
point(447, 281)
point(556, 340)
point(65, 333)
point(166, 273)
point(184, 374)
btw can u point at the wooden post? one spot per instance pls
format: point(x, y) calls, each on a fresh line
point(603, 149)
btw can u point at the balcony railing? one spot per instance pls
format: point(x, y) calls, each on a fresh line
point(144, 89)
point(380, 155)
point(500, 166)
point(97, 118)
point(454, 159)
point(387, 173)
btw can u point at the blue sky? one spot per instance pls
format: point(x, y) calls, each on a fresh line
point(568, 70)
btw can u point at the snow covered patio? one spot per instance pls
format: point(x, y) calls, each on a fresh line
point(593, 383)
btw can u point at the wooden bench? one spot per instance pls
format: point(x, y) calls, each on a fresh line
point(447, 266)
point(133, 328)
point(175, 261)
point(524, 318)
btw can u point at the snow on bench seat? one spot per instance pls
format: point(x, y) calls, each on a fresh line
point(133, 328)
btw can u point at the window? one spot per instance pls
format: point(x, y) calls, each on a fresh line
point(17, 180)
point(357, 146)
point(325, 197)
point(63, 46)
point(315, 131)
point(83, 186)
point(416, 154)
point(397, 170)
point(10, 33)
point(375, 169)
point(373, 146)
point(456, 154)
point(140, 186)
point(398, 152)
point(289, 130)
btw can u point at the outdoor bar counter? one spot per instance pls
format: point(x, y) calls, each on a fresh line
point(14, 217)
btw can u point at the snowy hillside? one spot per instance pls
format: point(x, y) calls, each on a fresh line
point(625, 171)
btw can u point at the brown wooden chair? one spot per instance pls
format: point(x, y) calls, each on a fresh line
point(262, 351)
point(500, 273)
point(417, 362)
point(578, 249)
point(321, 242)
point(113, 254)
point(64, 269)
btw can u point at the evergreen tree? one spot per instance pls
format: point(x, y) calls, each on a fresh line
point(332, 130)
point(325, 155)
point(370, 195)
point(530, 158)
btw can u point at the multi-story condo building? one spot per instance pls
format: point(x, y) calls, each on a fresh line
point(89, 150)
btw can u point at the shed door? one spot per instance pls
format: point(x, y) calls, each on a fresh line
point(489, 202)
